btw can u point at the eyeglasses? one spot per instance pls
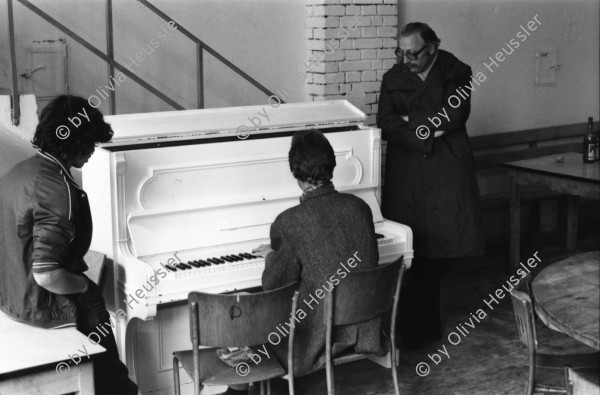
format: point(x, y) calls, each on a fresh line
point(410, 55)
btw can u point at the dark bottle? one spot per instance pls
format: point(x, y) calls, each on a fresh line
point(597, 144)
point(589, 143)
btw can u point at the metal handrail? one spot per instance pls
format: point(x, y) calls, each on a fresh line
point(111, 54)
point(208, 49)
point(100, 54)
point(16, 105)
point(112, 64)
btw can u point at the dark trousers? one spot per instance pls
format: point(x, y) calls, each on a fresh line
point(419, 312)
point(93, 320)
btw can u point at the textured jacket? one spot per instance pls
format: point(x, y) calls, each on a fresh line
point(430, 183)
point(46, 224)
point(310, 242)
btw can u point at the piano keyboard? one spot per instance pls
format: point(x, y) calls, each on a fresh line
point(215, 264)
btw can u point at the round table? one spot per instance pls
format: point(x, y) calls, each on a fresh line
point(567, 297)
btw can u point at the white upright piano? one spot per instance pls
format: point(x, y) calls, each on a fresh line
point(179, 199)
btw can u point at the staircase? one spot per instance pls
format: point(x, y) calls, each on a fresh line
point(117, 71)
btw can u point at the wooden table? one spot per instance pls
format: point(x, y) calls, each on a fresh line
point(31, 360)
point(571, 176)
point(567, 297)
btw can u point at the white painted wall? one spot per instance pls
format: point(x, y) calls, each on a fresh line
point(509, 100)
point(265, 38)
point(15, 140)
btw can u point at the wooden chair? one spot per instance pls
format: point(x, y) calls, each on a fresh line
point(362, 296)
point(582, 381)
point(555, 352)
point(218, 320)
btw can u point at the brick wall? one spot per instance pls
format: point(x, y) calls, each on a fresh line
point(350, 46)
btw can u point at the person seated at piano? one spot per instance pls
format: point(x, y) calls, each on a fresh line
point(46, 230)
point(308, 242)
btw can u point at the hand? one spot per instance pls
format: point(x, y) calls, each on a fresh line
point(262, 250)
point(404, 118)
point(439, 133)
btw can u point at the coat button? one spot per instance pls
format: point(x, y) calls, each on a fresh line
point(425, 156)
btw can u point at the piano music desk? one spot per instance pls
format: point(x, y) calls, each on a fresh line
point(30, 356)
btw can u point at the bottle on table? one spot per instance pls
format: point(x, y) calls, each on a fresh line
point(590, 142)
point(598, 144)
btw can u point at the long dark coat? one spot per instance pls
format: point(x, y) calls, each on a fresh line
point(309, 242)
point(430, 183)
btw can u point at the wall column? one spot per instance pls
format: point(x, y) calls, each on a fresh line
point(350, 45)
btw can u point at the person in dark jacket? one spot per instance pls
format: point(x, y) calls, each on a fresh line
point(46, 230)
point(308, 243)
point(430, 182)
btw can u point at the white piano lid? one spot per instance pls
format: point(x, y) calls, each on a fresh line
point(270, 117)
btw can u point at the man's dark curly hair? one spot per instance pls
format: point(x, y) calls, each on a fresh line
point(311, 157)
point(82, 135)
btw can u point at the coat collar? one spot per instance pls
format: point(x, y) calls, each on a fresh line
point(320, 191)
point(63, 171)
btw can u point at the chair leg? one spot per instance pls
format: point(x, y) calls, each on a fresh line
point(290, 380)
point(329, 375)
point(330, 380)
point(176, 375)
point(531, 378)
point(268, 387)
point(262, 388)
point(568, 383)
point(394, 369)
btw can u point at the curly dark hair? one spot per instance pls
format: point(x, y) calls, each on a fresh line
point(311, 157)
point(69, 127)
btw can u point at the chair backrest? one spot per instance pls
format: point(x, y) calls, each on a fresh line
point(219, 320)
point(365, 294)
point(523, 309)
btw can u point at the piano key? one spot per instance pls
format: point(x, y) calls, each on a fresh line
point(194, 263)
point(219, 260)
point(379, 235)
point(234, 258)
point(227, 259)
point(203, 263)
point(171, 268)
point(182, 266)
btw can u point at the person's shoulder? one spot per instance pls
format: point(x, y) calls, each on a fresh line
point(50, 184)
point(287, 216)
point(454, 66)
point(23, 172)
point(398, 70)
point(355, 201)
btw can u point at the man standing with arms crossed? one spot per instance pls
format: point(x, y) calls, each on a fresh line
point(430, 182)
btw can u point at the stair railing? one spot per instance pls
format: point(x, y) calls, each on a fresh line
point(112, 64)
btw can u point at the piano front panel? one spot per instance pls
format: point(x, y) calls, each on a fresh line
point(208, 175)
point(170, 191)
